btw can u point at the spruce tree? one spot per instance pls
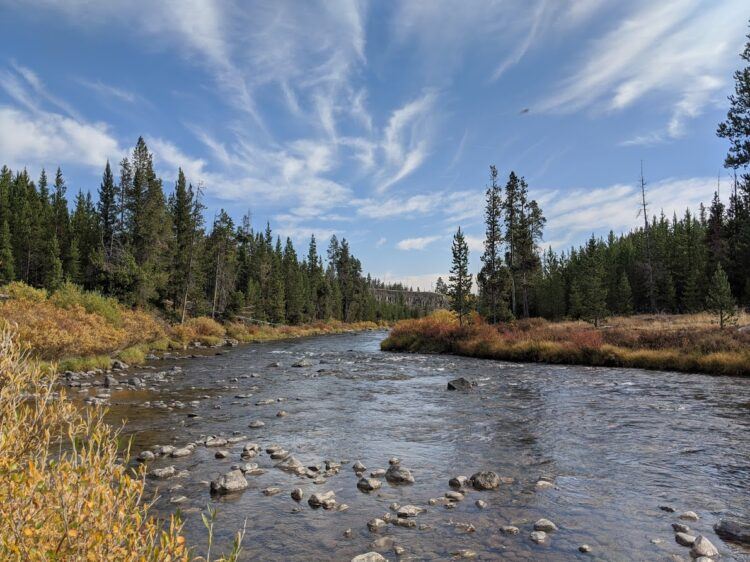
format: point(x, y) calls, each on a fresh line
point(7, 266)
point(492, 278)
point(720, 300)
point(460, 280)
point(108, 207)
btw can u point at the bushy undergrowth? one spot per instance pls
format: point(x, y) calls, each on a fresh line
point(627, 343)
point(66, 493)
point(77, 505)
point(80, 330)
point(72, 323)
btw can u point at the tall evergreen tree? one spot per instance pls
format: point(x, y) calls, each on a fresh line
point(460, 280)
point(108, 207)
point(492, 279)
point(7, 265)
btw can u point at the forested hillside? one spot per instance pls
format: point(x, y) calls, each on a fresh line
point(681, 264)
point(147, 249)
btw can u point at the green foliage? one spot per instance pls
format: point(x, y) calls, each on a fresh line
point(70, 294)
point(459, 285)
point(720, 300)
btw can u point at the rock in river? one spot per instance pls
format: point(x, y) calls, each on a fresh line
point(409, 511)
point(461, 384)
point(397, 474)
point(322, 499)
point(232, 481)
point(302, 363)
point(538, 536)
point(369, 557)
point(684, 539)
point(368, 484)
point(181, 452)
point(376, 525)
point(689, 516)
point(485, 480)
point(733, 530)
point(162, 473)
point(297, 494)
point(545, 525)
point(703, 547)
point(215, 442)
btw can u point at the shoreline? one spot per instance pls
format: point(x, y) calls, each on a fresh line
point(676, 349)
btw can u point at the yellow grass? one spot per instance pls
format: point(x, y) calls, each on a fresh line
point(690, 343)
point(79, 330)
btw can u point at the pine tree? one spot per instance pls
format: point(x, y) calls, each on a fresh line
point(460, 280)
point(720, 300)
point(7, 266)
point(492, 278)
point(440, 287)
point(54, 276)
point(108, 207)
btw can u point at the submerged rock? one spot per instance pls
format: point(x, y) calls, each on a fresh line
point(689, 516)
point(368, 484)
point(510, 530)
point(376, 524)
point(485, 480)
point(733, 530)
point(461, 384)
point(232, 481)
point(545, 525)
point(409, 511)
point(302, 363)
point(162, 473)
point(369, 557)
point(538, 537)
point(321, 499)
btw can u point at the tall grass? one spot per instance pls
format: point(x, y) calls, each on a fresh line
point(649, 342)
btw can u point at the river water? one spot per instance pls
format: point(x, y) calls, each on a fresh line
point(617, 444)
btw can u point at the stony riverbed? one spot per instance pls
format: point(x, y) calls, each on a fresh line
point(567, 462)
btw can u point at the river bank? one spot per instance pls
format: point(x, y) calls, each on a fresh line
point(686, 343)
point(75, 330)
point(596, 451)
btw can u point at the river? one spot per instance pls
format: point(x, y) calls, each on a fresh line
point(617, 444)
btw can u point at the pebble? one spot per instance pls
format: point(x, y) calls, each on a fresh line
point(376, 525)
point(545, 525)
point(481, 504)
point(297, 494)
point(510, 530)
point(689, 516)
point(538, 536)
point(680, 528)
point(369, 557)
point(272, 491)
point(409, 511)
point(584, 548)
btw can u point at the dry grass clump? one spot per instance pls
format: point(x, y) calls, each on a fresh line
point(666, 343)
point(72, 323)
point(80, 504)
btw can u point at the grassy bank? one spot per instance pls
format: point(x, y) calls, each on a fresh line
point(79, 330)
point(688, 343)
point(83, 504)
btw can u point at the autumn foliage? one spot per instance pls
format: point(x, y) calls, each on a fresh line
point(690, 343)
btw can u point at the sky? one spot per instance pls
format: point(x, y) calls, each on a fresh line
point(378, 121)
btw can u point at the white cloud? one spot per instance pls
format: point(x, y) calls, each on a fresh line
point(107, 90)
point(421, 243)
point(680, 49)
point(572, 215)
point(405, 139)
point(43, 137)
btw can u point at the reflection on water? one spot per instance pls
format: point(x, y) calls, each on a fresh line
point(618, 444)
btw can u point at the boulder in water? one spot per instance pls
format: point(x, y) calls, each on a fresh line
point(232, 481)
point(733, 530)
point(485, 480)
point(461, 384)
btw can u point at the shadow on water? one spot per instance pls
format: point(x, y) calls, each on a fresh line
point(617, 444)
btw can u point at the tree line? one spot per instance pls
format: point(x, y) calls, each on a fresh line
point(695, 262)
point(148, 249)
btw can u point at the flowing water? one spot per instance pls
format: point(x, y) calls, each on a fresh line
point(617, 444)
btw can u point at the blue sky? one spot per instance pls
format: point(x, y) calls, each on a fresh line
point(377, 121)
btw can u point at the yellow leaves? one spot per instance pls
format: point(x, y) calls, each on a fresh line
point(83, 506)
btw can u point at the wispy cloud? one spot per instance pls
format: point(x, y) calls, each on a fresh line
point(420, 243)
point(109, 91)
point(680, 49)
